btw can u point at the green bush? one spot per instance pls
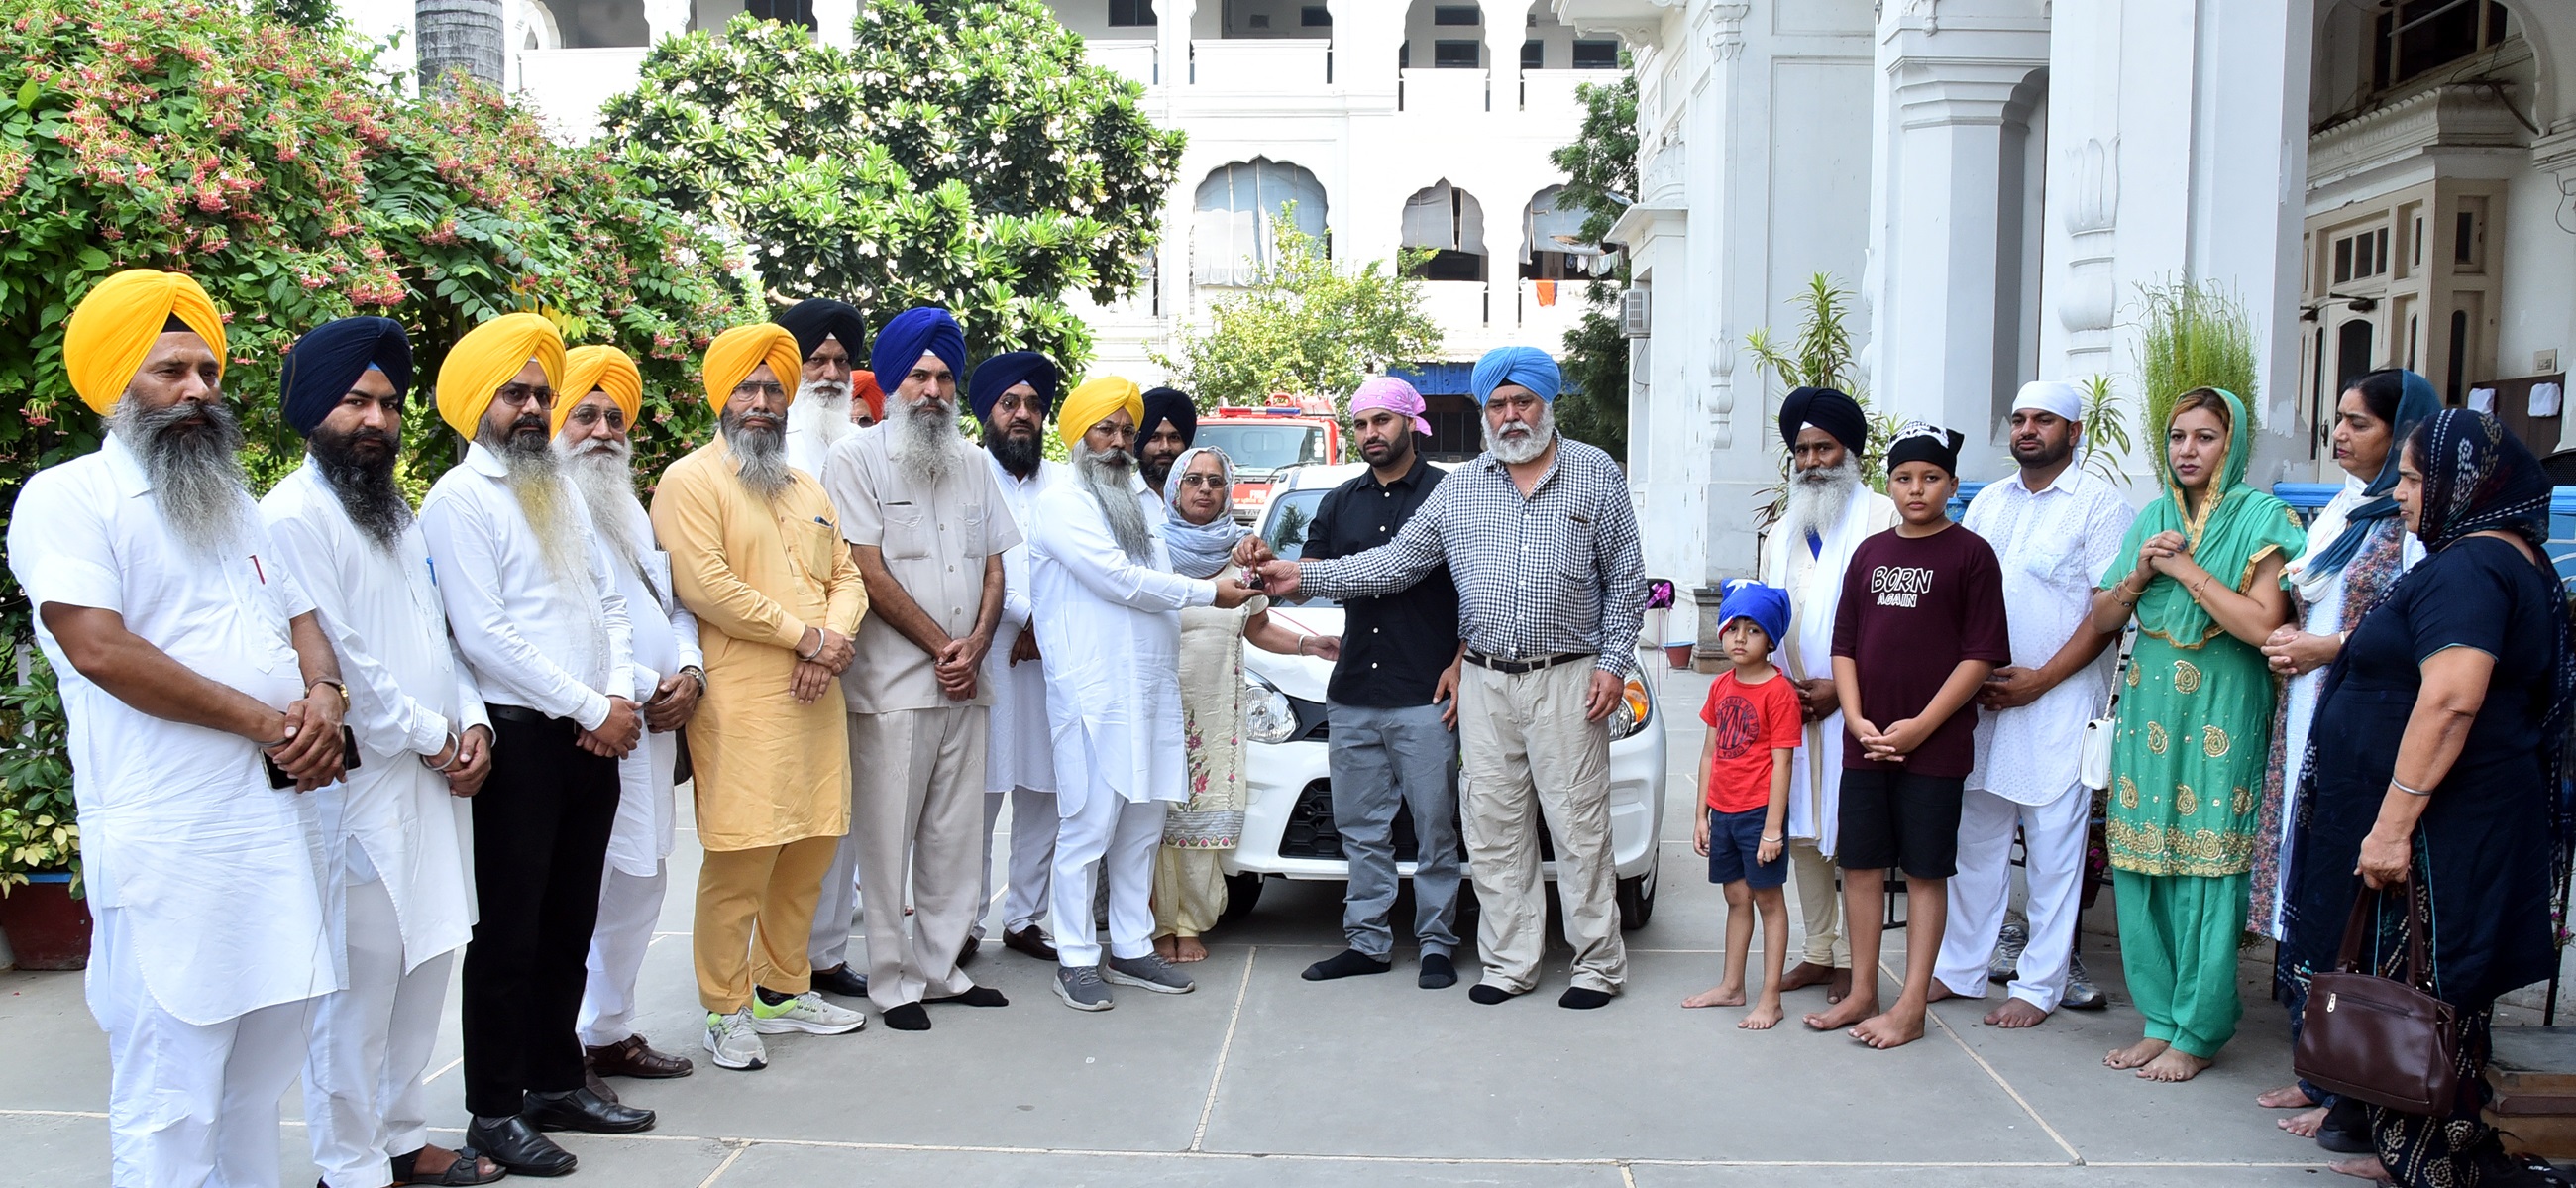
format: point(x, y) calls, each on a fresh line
point(39, 832)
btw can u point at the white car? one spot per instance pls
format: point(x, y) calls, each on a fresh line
point(1288, 828)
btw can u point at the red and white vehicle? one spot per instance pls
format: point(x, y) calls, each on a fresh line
point(1266, 442)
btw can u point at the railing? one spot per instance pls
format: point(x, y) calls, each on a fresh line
point(1445, 91)
point(570, 84)
point(1261, 65)
point(1135, 59)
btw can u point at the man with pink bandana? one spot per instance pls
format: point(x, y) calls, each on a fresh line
point(1391, 705)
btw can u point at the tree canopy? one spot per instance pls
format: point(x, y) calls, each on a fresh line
point(1601, 175)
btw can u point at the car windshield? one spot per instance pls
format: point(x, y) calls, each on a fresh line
point(1264, 447)
point(1284, 526)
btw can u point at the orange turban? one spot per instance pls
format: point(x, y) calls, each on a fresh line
point(115, 327)
point(606, 369)
point(863, 384)
point(1091, 402)
point(487, 357)
point(732, 356)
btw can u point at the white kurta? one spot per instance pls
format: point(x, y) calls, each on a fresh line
point(1020, 751)
point(1110, 628)
point(812, 429)
point(2052, 546)
point(1813, 579)
point(179, 828)
point(666, 641)
point(392, 818)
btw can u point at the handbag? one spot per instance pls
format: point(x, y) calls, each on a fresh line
point(2380, 1040)
point(2093, 750)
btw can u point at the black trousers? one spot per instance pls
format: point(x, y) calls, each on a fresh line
point(541, 826)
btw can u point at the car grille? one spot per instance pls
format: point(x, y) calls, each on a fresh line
point(1310, 832)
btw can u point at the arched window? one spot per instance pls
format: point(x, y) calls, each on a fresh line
point(1451, 224)
point(1552, 247)
point(1230, 237)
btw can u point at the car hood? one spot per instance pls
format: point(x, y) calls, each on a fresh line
point(1301, 677)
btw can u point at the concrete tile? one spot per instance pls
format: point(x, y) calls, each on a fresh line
point(45, 1024)
point(1647, 1175)
point(769, 1165)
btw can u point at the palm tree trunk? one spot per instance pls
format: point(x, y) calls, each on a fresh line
point(467, 35)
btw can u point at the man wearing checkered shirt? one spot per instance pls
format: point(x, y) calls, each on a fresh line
point(1539, 535)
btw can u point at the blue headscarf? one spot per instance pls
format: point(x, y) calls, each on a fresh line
point(1529, 367)
point(324, 364)
point(1001, 373)
point(2418, 402)
point(921, 330)
point(1767, 606)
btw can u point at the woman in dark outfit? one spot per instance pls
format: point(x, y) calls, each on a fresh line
point(2437, 744)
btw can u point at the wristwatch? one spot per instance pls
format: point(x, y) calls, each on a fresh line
point(698, 674)
point(334, 682)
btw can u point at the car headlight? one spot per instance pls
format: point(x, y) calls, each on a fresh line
point(1267, 716)
point(1633, 712)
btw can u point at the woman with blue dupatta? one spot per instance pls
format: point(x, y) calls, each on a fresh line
point(2201, 572)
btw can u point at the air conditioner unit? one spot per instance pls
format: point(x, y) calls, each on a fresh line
point(1632, 312)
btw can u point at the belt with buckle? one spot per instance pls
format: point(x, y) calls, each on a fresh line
point(1517, 667)
point(519, 714)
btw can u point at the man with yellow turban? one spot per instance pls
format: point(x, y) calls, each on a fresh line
point(594, 419)
point(186, 653)
point(534, 607)
point(1107, 608)
point(756, 555)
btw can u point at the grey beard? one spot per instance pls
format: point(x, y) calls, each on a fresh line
point(760, 454)
point(823, 409)
point(536, 480)
point(365, 489)
point(1104, 473)
point(602, 472)
point(926, 445)
point(1819, 497)
point(1513, 452)
point(197, 480)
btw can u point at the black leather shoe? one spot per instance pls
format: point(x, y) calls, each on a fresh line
point(841, 980)
point(2346, 1130)
point(583, 1110)
point(966, 952)
point(1031, 942)
point(514, 1143)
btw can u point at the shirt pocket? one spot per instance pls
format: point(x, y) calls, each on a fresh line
point(907, 532)
point(817, 547)
point(971, 523)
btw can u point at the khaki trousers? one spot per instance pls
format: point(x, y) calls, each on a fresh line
point(920, 781)
point(1529, 754)
point(757, 899)
point(1820, 906)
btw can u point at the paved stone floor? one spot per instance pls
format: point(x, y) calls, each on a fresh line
point(1260, 1078)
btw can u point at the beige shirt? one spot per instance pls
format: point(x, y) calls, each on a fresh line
point(935, 539)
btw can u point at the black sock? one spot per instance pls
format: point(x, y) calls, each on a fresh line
point(1347, 963)
point(1437, 972)
point(976, 996)
point(769, 997)
point(908, 1017)
point(1579, 999)
point(1488, 995)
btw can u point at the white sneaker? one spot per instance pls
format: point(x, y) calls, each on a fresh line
point(731, 1042)
point(806, 1012)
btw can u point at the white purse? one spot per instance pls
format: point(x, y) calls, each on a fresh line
point(2093, 754)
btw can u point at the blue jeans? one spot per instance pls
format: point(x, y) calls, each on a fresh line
point(1380, 759)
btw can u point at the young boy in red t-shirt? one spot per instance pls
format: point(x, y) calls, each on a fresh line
point(1754, 727)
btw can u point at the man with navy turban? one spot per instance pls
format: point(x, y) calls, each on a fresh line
point(1540, 538)
point(1012, 394)
point(1170, 426)
point(828, 334)
point(400, 876)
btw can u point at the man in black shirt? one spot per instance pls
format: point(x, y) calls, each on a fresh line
point(1392, 702)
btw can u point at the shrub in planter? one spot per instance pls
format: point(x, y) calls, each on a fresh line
point(40, 892)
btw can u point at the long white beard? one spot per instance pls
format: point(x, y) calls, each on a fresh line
point(602, 472)
point(926, 445)
point(1819, 497)
point(1523, 448)
point(1106, 474)
point(198, 484)
point(821, 411)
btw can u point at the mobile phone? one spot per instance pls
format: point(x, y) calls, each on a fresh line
point(278, 779)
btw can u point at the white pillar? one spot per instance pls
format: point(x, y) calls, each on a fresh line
point(670, 18)
point(833, 21)
point(2555, 155)
point(1172, 42)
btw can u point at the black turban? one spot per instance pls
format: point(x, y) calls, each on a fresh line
point(1918, 442)
point(1169, 404)
point(1001, 373)
point(811, 319)
point(324, 364)
point(1828, 410)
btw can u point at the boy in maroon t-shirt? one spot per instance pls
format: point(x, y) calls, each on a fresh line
point(1920, 625)
point(1754, 727)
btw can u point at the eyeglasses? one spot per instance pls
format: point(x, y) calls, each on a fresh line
point(763, 391)
point(516, 395)
point(1213, 482)
point(1016, 403)
point(591, 414)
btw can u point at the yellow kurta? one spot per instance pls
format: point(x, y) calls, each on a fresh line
point(770, 770)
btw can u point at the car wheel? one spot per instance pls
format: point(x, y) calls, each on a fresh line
point(1637, 899)
point(1241, 892)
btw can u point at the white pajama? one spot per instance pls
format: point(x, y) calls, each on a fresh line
point(629, 906)
point(1111, 834)
point(370, 1043)
point(1033, 830)
point(2053, 836)
point(188, 1105)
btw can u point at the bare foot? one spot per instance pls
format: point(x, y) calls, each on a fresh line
point(1893, 1029)
point(1167, 947)
point(2016, 1012)
point(1805, 974)
point(2306, 1123)
point(1188, 949)
point(2174, 1065)
point(1723, 994)
point(433, 1161)
point(2363, 1167)
point(1939, 992)
point(1842, 986)
point(1845, 1013)
point(2287, 1097)
point(2136, 1055)
point(1763, 1017)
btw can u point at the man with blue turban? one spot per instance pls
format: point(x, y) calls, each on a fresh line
point(1170, 425)
point(401, 878)
point(1541, 540)
point(1012, 394)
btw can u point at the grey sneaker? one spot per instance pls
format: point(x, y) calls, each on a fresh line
point(807, 1013)
point(1082, 989)
point(2006, 963)
point(733, 1043)
point(2081, 993)
point(1149, 972)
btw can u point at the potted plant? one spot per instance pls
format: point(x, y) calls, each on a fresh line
point(41, 905)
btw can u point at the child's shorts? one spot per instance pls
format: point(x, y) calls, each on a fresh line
point(1734, 846)
point(1900, 819)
